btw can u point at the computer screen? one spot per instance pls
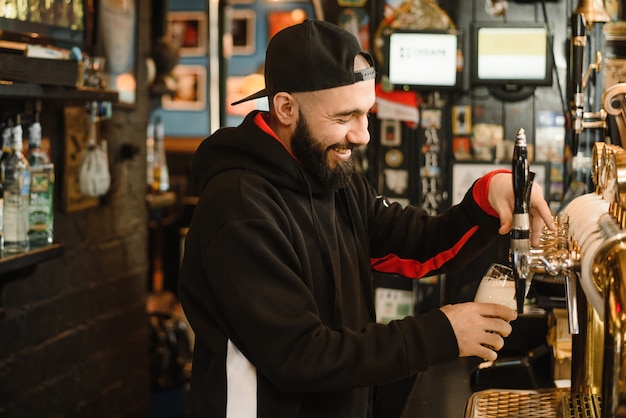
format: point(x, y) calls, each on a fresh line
point(510, 53)
point(421, 60)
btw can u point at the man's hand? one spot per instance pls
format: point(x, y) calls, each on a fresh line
point(502, 200)
point(480, 327)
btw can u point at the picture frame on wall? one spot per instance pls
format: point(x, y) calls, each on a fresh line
point(190, 91)
point(188, 32)
point(280, 19)
point(243, 31)
point(66, 24)
point(238, 87)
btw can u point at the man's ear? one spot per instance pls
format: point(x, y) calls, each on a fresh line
point(285, 108)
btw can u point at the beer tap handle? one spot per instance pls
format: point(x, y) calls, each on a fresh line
point(528, 189)
point(577, 68)
point(521, 172)
point(520, 234)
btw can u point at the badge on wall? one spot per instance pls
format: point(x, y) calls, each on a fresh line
point(394, 158)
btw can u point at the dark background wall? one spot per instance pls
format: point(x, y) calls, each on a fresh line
point(74, 336)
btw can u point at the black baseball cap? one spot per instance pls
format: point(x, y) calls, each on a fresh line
point(310, 56)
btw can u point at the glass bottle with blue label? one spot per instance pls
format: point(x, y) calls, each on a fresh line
point(16, 185)
point(41, 206)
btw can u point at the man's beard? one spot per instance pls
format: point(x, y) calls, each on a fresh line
point(314, 158)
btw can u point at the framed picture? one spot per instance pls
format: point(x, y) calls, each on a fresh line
point(65, 24)
point(243, 30)
point(188, 31)
point(190, 90)
point(279, 20)
point(238, 87)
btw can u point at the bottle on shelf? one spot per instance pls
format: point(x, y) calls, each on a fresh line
point(6, 148)
point(160, 176)
point(16, 184)
point(150, 155)
point(41, 207)
point(6, 138)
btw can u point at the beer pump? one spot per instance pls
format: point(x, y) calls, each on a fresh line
point(520, 234)
point(586, 20)
point(524, 259)
point(577, 53)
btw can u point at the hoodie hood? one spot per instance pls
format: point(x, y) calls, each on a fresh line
point(248, 147)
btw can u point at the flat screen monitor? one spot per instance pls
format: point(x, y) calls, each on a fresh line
point(515, 54)
point(423, 60)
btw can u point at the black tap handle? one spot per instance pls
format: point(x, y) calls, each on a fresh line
point(521, 172)
point(577, 51)
point(529, 188)
point(520, 233)
point(578, 44)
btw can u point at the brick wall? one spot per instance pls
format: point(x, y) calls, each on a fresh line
point(74, 338)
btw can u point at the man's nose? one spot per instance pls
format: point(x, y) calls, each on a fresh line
point(359, 134)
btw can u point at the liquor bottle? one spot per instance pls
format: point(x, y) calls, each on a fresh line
point(161, 177)
point(150, 155)
point(6, 137)
point(6, 148)
point(16, 183)
point(41, 207)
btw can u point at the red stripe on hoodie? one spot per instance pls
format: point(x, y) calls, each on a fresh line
point(414, 269)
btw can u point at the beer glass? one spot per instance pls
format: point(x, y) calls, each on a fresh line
point(497, 286)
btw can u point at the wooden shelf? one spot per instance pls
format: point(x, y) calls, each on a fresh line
point(160, 200)
point(13, 265)
point(18, 266)
point(21, 265)
point(38, 91)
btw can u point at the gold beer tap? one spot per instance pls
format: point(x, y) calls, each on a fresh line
point(560, 258)
point(554, 261)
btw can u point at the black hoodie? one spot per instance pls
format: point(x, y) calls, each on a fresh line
point(276, 282)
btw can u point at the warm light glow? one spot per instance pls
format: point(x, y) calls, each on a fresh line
point(298, 15)
point(126, 86)
point(126, 82)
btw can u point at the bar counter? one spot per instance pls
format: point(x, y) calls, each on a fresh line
point(442, 391)
point(523, 368)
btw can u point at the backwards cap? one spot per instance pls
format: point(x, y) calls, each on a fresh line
point(313, 55)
